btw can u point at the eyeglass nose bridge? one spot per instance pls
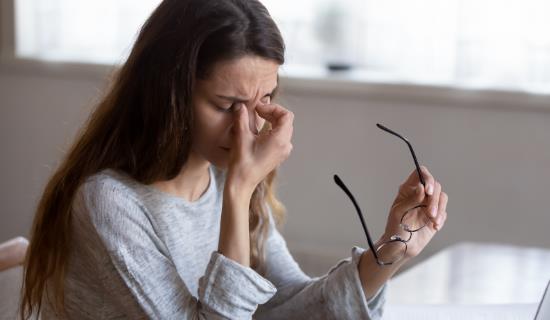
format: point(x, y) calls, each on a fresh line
point(405, 226)
point(397, 237)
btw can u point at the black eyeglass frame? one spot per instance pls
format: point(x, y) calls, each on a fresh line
point(394, 238)
point(410, 148)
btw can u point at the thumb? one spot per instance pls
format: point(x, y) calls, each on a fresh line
point(419, 193)
point(410, 196)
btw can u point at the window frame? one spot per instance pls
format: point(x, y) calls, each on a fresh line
point(10, 63)
point(7, 28)
point(313, 81)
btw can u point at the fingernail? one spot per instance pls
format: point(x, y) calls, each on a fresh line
point(430, 189)
point(238, 107)
point(433, 212)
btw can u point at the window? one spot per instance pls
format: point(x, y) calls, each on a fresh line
point(489, 44)
point(93, 31)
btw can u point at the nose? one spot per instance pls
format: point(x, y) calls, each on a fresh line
point(252, 120)
point(255, 122)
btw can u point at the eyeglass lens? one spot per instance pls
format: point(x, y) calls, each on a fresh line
point(393, 250)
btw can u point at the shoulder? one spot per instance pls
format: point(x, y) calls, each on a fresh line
point(109, 207)
point(109, 184)
point(108, 192)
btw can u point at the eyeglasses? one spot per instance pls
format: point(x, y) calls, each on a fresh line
point(413, 220)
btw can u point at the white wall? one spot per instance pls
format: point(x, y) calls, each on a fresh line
point(39, 116)
point(493, 161)
point(491, 155)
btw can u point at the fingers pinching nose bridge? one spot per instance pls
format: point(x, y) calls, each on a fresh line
point(253, 122)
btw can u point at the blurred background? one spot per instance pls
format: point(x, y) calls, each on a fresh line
point(468, 82)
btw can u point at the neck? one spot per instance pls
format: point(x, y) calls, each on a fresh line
point(191, 182)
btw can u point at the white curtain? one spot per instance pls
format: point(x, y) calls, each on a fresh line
point(477, 43)
point(96, 31)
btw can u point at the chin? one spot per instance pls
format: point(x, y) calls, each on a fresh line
point(216, 158)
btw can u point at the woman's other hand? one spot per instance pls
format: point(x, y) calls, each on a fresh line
point(433, 210)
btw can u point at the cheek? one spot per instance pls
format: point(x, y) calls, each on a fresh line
point(211, 126)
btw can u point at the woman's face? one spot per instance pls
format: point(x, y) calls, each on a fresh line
point(250, 80)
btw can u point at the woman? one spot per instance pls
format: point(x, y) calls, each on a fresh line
point(164, 207)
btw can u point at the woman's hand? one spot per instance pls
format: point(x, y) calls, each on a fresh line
point(254, 156)
point(433, 211)
point(411, 194)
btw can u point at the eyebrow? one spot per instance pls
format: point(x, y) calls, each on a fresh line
point(242, 100)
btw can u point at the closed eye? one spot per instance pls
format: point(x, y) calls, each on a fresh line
point(226, 108)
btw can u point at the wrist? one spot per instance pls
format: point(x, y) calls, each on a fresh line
point(237, 190)
point(238, 186)
point(234, 241)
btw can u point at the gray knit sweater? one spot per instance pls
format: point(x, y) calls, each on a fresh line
point(140, 253)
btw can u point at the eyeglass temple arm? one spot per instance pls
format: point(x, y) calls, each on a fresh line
point(341, 184)
point(410, 148)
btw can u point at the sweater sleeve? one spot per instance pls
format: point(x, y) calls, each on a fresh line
point(140, 278)
point(336, 295)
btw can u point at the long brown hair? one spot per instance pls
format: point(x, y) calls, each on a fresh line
point(141, 126)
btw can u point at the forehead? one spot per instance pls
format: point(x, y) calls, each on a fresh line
point(244, 76)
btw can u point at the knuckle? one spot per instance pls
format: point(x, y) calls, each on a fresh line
point(280, 144)
point(290, 116)
point(420, 196)
point(285, 153)
point(402, 189)
point(288, 149)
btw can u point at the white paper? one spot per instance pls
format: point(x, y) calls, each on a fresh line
point(460, 312)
